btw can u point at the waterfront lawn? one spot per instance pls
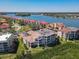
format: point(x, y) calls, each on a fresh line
point(67, 50)
point(62, 51)
point(7, 56)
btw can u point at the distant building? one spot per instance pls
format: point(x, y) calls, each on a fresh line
point(4, 26)
point(69, 33)
point(78, 34)
point(55, 26)
point(40, 37)
point(73, 34)
point(7, 42)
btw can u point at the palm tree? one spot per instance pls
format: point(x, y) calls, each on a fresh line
point(38, 42)
point(46, 41)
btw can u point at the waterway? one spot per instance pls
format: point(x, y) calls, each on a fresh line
point(67, 22)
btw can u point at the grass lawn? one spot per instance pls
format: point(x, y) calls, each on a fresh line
point(62, 51)
point(36, 50)
point(67, 50)
point(7, 56)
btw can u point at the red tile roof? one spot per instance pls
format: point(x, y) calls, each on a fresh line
point(57, 25)
point(44, 23)
point(69, 29)
point(32, 21)
point(60, 24)
point(32, 36)
point(4, 25)
point(65, 30)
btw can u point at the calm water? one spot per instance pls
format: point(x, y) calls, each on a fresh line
point(67, 22)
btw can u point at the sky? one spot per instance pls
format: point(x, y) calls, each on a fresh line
point(39, 5)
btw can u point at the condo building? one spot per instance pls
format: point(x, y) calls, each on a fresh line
point(69, 33)
point(40, 37)
point(7, 42)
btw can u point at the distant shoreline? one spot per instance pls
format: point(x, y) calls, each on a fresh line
point(65, 15)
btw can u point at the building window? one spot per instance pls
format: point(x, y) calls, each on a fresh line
point(5, 43)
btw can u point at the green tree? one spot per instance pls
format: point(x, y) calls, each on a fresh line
point(0, 30)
